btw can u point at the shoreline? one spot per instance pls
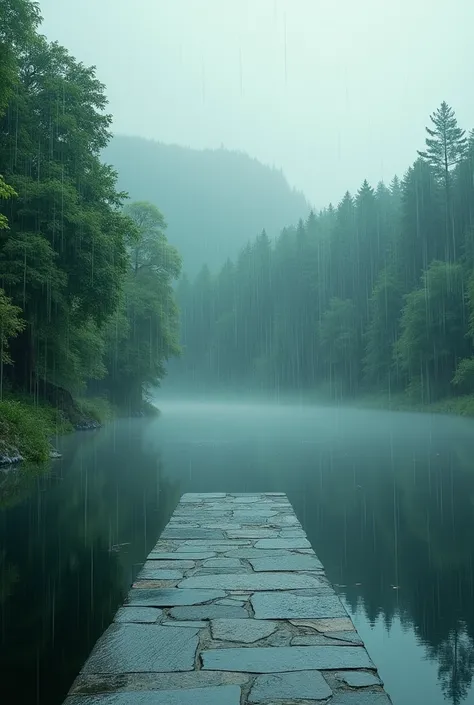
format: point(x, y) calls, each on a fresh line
point(462, 406)
point(27, 428)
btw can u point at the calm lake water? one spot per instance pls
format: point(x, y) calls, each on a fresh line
point(387, 501)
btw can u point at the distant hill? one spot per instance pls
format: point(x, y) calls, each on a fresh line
point(214, 201)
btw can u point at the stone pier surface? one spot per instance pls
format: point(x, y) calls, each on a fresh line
point(232, 607)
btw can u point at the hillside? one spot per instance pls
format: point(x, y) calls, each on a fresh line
point(214, 201)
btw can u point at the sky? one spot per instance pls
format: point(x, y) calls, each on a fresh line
point(331, 91)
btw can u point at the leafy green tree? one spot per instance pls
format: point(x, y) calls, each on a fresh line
point(143, 333)
point(63, 258)
point(6, 192)
point(19, 20)
point(11, 324)
point(432, 340)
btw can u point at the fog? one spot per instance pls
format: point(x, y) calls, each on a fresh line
point(206, 330)
point(332, 92)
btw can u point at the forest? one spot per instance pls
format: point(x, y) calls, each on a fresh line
point(86, 297)
point(372, 296)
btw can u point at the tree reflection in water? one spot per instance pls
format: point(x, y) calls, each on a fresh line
point(71, 541)
point(389, 510)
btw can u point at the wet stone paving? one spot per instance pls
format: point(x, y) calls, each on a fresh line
point(232, 607)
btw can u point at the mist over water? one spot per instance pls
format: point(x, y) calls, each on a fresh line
point(386, 500)
point(274, 198)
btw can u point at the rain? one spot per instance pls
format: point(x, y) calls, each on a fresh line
point(237, 255)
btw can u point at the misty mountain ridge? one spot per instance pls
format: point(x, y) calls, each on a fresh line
point(214, 200)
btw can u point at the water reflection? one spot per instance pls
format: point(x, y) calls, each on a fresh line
point(387, 501)
point(71, 542)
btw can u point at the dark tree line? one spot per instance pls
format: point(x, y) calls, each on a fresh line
point(375, 293)
point(74, 306)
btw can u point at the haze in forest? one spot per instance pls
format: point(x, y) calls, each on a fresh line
point(214, 201)
point(331, 92)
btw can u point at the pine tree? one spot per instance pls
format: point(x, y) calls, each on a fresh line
point(446, 146)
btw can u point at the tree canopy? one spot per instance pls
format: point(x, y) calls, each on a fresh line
point(66, 244)
point(372, 295)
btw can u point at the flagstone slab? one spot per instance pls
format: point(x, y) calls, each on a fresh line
point(358, 679)
point(190, 556)
point(209, 612)
point(252, 581)
point(182, 623)
point(223, 563)
point(318, 640)
point(157, 574)
point(145, 648)
point(138, 614)
point(172, 597)
point(254, 514)
point(181, 565)
point(349, 637)
point(248, 553)
point(362, 697)
point(221, 695)
point(221, 571)
point(182, 533)
point(283, 659)
point(287, 605)
point(339, 624)
point(303, 685)
point(245, 631)
point(293, 563)
point(283, 543)
point(257, 533)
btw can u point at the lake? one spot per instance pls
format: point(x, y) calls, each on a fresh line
point(387, 501)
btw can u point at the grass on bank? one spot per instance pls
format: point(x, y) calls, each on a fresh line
point(457, 406)
point(27, 427)
point(97, 409)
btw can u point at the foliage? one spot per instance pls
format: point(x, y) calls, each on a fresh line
point(27, 428)
point(6, 191)
point(11, 325)
point(374, 294)
point(433, 325)
point(446, 144)
point(96, 408)
point(143, 333)
point(66, 244)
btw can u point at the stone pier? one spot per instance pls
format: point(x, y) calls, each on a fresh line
point(232, 607)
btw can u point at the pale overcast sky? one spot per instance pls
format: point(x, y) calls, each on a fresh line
point(345, 97)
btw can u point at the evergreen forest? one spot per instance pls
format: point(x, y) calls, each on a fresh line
point(372, 295)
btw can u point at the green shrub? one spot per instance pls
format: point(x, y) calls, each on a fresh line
point(96, 408)
point(25, 428)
